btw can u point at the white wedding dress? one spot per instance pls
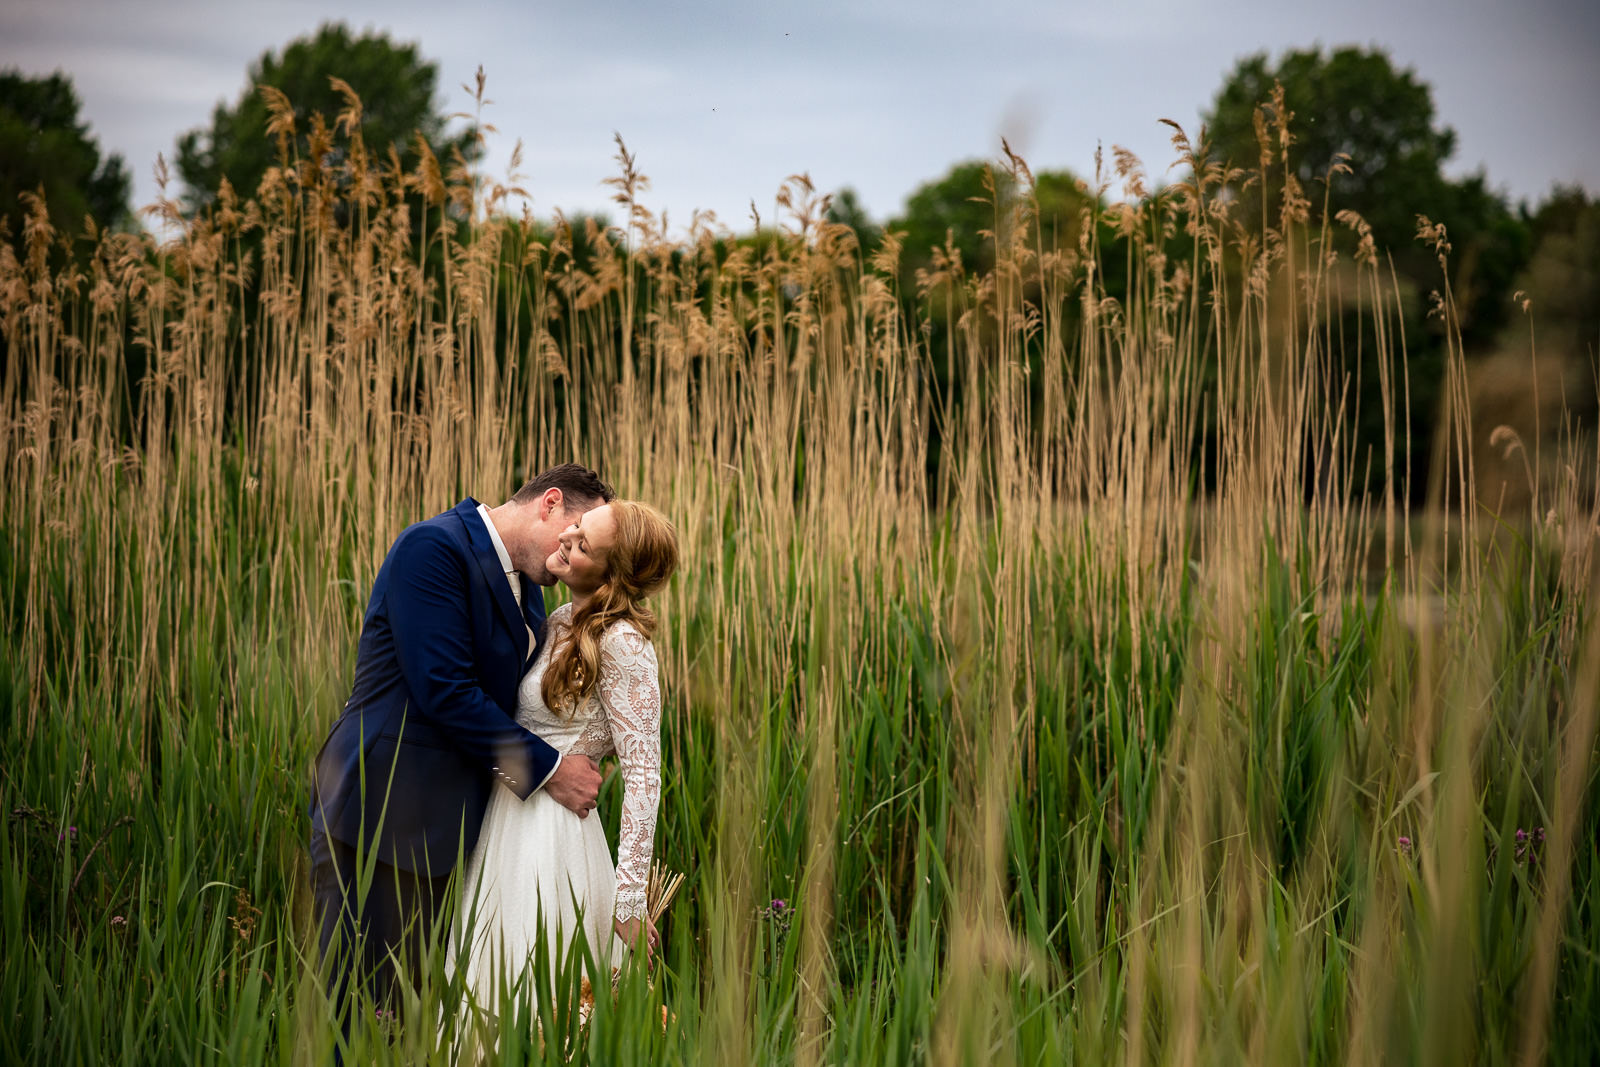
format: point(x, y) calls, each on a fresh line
point(538, 870)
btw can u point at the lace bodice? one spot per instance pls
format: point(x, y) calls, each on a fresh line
point(621, 716)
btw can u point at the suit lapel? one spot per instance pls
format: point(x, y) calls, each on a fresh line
point(488, 561)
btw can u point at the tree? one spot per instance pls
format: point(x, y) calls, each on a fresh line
point(1564, 272)
point(1352, 105)
point(846, 209)
point(958, 216)
point(950, 209)
point(44, 146)
point(1355, 103)
point(1352, 102)
point(960, 206)
point(397, 91)
point(1562, 276)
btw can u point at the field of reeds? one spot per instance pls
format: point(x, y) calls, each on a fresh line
point(1045, 683)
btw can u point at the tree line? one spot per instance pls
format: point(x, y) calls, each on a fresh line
point(1364, 138)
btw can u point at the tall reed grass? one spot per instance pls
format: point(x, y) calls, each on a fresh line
point(1043, 684)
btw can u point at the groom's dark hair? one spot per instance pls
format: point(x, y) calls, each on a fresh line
point(580, 487)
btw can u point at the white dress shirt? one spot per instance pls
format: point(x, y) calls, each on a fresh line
point(515, 581)
point(500, 550)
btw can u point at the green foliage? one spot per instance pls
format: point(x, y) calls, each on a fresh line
point(161, 911)
point(950, 223)
point(1054, 759)
point(1353, 108)
point(846, 209)
point(1351, 103)
point(1563, 274)
point(1350, 130)
point(45, 148)
point(955, 208)
point(396, 86)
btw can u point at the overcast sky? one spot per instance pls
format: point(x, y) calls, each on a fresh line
point(720, 101)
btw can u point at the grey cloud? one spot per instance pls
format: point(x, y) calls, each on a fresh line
point(877, 95)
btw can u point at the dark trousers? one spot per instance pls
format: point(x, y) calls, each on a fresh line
point(389, 925)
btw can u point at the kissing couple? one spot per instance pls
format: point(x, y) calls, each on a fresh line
point(474, 729)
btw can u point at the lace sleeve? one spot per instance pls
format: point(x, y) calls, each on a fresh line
point(631, 697)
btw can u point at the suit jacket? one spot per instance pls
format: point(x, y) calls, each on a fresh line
point(431, 720)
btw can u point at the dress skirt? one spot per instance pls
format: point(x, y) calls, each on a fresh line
point(537, 874)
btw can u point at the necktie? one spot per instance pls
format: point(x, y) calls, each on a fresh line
point(516, 591)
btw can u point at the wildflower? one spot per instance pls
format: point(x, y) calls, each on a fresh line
point(779, 914)
point(118, 922)
point(245, 915)
point(1405, 845)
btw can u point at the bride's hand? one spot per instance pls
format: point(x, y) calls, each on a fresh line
point(629, 930)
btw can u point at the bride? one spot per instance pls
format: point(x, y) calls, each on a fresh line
point(539, 872)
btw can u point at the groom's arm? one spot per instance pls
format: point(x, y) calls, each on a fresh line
point(427, 610)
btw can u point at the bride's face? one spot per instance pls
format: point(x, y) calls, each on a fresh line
point(580, 556)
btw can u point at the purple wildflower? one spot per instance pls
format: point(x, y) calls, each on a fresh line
point(779, 914)
point(1405, 845)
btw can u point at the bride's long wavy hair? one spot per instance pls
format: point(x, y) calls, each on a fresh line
point(638, 564)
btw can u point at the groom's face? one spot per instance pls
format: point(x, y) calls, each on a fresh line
point(546, 538)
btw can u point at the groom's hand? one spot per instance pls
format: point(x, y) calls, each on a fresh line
point(575, 784)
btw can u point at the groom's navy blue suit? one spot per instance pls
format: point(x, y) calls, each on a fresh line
point(429, 727)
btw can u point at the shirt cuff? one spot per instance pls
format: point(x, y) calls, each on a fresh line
point(552, 774)
point(631, 903)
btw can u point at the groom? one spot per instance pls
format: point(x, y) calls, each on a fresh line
point(403, 779)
